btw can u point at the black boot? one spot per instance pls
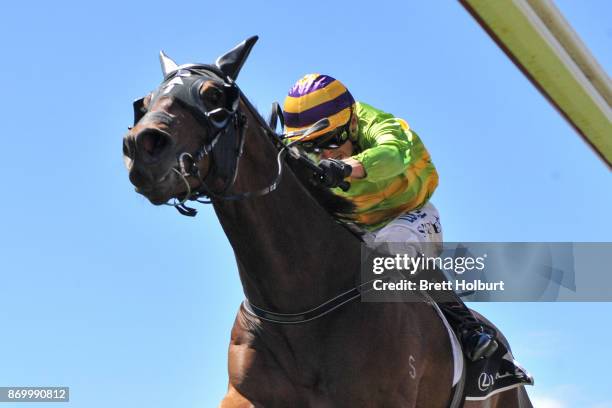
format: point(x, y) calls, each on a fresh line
point(478, 343)
point(477, 338)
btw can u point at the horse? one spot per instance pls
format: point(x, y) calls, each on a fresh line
point(301, 338)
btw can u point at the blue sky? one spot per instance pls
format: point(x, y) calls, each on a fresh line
point(131, 305)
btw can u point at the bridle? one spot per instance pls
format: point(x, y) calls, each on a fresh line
point(223, 144)
point(223, 141)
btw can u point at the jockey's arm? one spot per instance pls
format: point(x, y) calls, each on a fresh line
point(383, 160)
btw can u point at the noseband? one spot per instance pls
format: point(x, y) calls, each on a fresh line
point(222, 142)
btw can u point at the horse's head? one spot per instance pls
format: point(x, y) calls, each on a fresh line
point(194, 114)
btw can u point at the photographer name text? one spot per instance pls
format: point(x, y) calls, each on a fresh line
point(425, 285)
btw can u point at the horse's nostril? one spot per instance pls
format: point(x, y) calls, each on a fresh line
point(138, 177)
point(153, 142)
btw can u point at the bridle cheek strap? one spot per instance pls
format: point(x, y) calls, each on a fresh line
point(223, 142)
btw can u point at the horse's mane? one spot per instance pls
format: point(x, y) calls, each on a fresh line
point(340, 207)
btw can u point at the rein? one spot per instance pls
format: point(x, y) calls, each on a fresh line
point(312, 314)
point(303, 317)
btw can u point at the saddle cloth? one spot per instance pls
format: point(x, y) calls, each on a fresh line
point(500, 372)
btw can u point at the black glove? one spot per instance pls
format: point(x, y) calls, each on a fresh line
point(334, 172)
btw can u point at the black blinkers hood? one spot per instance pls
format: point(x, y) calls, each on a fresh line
point(184, 77)
point(184, 85)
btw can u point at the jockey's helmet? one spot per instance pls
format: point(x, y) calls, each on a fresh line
point(314, 97)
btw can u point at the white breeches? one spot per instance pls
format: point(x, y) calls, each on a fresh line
point(414, 233)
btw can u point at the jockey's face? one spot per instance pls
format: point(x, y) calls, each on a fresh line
point(342, 152)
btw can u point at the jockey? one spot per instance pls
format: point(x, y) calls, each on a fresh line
point(391, 179)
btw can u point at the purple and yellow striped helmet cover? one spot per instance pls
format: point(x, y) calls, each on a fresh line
point(313, 98)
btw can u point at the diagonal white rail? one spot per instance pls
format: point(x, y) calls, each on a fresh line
point(542, 44)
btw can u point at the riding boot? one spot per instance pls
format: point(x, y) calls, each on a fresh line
point(476, 337)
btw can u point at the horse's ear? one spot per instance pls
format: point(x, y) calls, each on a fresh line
point(231, 62)
point(167, 64)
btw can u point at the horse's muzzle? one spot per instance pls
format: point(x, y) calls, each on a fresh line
point(149, 156)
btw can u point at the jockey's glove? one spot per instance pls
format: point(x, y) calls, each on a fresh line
point(333, 172)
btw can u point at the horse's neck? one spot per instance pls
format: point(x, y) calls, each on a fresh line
point(291, 255)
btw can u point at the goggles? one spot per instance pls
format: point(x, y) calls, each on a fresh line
point(331, 140)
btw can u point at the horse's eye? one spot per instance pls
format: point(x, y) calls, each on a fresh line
point(212, 96)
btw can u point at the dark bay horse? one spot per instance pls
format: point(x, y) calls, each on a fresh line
point(197, 135)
